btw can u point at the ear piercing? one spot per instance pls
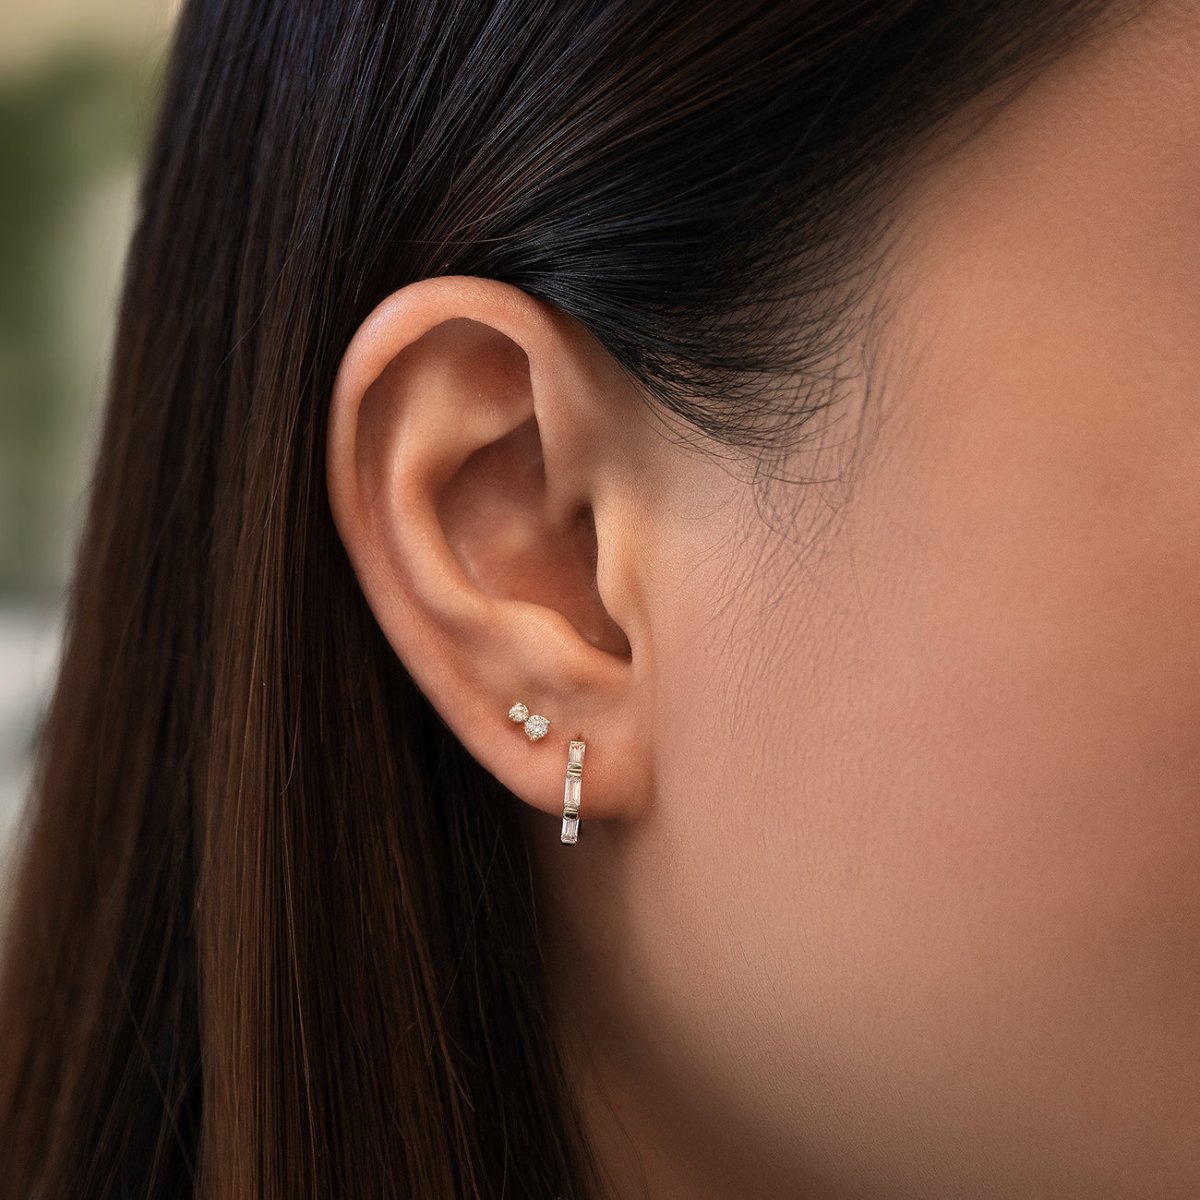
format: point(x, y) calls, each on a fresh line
point(535, 727)
point(570, 825)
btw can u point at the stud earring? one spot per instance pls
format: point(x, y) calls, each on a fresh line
point(570, 824)
point(535, 726)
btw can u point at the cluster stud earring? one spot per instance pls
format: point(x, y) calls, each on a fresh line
point(535, 726)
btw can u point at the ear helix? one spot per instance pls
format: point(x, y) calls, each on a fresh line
point(535, 728)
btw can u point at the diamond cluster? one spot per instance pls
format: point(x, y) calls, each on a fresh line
point(535, 726)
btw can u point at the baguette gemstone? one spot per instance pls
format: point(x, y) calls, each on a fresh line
point(571, 792)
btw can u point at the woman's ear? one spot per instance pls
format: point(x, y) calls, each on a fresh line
point(486, 476)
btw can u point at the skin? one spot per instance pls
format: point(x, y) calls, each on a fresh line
point(888, 876)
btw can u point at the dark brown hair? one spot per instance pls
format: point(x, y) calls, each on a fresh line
point(275, 932)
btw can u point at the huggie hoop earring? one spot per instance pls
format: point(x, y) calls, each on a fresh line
point(570, 825)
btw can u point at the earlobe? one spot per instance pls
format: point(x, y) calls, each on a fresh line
point(470, 468)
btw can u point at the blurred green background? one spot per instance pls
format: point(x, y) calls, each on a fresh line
point(78, 87)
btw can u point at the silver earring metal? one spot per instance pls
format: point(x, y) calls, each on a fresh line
point(535, 726)
point(570, 825)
